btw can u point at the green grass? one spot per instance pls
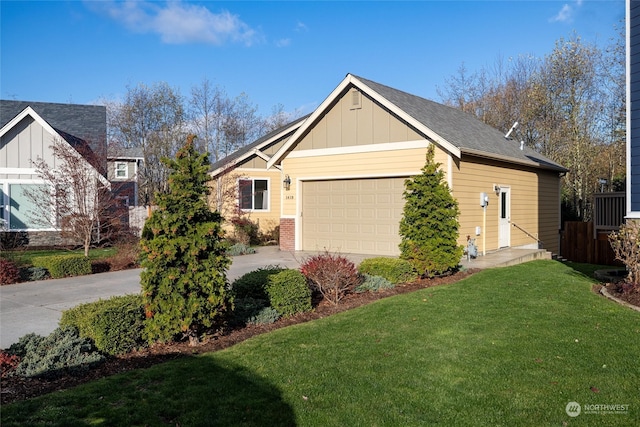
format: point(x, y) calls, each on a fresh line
point(505, 347)
point(25, 257)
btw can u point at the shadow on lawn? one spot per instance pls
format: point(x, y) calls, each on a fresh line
point(193, 390)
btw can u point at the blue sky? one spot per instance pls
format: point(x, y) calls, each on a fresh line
point(292, 53)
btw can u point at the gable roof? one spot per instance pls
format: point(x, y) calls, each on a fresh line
point(453, 130)
point(86, 122)
point(82, 148)
point(255, 147)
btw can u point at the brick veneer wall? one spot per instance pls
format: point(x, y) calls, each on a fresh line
point(287, 234)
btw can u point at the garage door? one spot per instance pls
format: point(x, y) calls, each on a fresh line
point(352, 215)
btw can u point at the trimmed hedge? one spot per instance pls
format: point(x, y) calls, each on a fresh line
point(115, 325)
point(289, 292)
point(60, 266)
point(393, 269)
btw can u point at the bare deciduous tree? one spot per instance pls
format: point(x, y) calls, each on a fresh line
point(75, 197)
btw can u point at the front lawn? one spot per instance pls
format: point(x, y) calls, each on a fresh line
point(510, 346)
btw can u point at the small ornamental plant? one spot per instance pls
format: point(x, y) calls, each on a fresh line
point(333, 276)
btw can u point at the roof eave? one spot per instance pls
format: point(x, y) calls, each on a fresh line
point(507, 159)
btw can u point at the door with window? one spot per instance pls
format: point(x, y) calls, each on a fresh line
point(504, 219)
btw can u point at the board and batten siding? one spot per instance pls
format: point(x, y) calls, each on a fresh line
point(344, 126)
point(633, 109)
point(534, 204)
point(25, 143)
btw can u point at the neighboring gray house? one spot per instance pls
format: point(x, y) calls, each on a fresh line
point(122, 171)
point(27, 132)
point(633, 109)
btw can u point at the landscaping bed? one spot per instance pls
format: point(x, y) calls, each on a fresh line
point(16, 388)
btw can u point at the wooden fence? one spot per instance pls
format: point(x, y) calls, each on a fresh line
point(577, 243)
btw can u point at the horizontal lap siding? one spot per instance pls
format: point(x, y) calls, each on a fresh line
point(534, 202)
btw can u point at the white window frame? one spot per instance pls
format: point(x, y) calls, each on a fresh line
point(125, 170)
point(266, 199)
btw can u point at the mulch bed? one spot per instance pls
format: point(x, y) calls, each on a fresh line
point(625, 292)
point(15, 388)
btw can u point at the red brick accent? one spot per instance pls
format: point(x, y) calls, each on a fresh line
point(287, 234)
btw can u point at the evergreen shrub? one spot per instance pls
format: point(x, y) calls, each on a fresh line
point(254, 283)
point(393, 269)
point(31, 274)
point(374, 284)
point(289, 293)
point(183, 255)
point(240, 249)
point(115, 325)
point(429, 224)
point(61, 352)
point(60, 266)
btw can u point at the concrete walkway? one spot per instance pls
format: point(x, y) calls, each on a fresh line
point(38, 306)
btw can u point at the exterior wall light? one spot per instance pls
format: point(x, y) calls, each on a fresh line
point(286, 183)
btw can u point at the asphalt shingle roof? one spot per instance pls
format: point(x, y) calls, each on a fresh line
point(461, 129)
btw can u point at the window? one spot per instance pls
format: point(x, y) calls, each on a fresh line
point(23, 212)
point(122, 170)
point(254, 194)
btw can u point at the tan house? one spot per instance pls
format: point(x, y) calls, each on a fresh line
point(348, 160)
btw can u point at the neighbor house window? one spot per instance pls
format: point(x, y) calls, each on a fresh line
point(23, 211)
point(254, 194)
point(122, 170)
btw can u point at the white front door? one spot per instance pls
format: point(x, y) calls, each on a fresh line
point(504, 218)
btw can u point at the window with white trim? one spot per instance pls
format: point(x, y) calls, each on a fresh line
point(122, 170)
point(254, 194)
point(18, 210)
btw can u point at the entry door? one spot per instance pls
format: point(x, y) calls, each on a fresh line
point(504, 219)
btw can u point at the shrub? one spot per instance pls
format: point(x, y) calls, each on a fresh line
point(115, 325)
point(334, 276)
point(626, 247)
point(374, 284)
point(31, 274)
point(289, 293)
point(429, 224)
point(265, 316)
point(245, 230)
point(8, 363)
point(183, 255)
point(9, 273)
point(254, 283)
point(99, 266)
point(240, 249)
point(250, 311)
point(60, 266)
point(62, 352)
point(393, 269)
point(126, 256)
point(269, 234)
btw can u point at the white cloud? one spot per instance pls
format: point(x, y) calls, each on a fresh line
point(301, 26)
point(283, 42)
point(566, 13)
point(179, 23)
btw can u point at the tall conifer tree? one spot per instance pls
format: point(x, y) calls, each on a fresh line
point(183, 255)
point(429, 225)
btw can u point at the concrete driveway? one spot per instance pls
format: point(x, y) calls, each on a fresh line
point(38, 306)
